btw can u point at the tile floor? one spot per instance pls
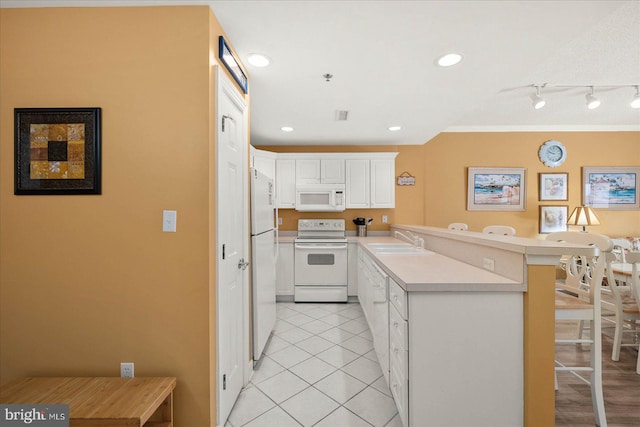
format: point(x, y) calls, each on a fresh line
point(319, 369)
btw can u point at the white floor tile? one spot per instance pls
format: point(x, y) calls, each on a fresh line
point(266, 369)
point(282, 326)
point(316, 327)
point(285, 312)
point(358, 345)
point(363, 369)
point(353, 312)
point(336, 335)
point(381, 385)
point(340, 386)
point(337, 308)
point(314, 345)
point(313, 369)
point(395, 422)
point(250, 404)
point(355, 326)
point(337, 356)
point(282, 386)
point(299, 319)
point(309, 406)
point(366, 335)
point(343, 418)
point(334, 319)
point(371, 355)
point(294, 335)
point(317, 312)
point(373, 406)
point(275, 417)
point(290, 356)
point(276, 344)
point(303, 307)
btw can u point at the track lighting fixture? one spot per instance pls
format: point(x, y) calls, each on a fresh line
point(635, 103)
point(592, 101)
point(536, 99)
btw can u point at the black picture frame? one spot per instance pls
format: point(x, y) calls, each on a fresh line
point(231, 63)
point(57, 151)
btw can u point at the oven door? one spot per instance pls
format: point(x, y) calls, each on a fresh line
point(320, 264)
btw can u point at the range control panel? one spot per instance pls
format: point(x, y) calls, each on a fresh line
point(321, 225)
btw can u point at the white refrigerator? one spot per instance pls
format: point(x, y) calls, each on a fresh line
point(264, 250)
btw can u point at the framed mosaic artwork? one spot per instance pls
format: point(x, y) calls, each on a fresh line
point(57, 151)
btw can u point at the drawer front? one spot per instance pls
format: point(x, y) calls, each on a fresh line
point(398, 298)
point(398, 329)
point(400, 391)
point(398, 358)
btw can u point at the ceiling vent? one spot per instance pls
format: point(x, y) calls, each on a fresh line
point(341, 115)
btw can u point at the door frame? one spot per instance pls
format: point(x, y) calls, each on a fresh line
point(224, 86)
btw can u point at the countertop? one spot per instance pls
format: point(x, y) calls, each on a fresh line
point(430, 271)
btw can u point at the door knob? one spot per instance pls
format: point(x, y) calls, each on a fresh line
point(242, 265)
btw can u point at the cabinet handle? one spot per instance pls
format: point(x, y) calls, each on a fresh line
point(395, 324)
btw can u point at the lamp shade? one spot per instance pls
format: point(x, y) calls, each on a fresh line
point(583, 215)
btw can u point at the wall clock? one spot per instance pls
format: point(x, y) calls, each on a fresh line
point(552, 153)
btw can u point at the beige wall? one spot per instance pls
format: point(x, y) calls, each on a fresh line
point(87, 282)
point(440, 167)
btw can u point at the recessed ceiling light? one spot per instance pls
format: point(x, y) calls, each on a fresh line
point(258, 60)
point(394, 128)
point(449, 59)
point(286, 129)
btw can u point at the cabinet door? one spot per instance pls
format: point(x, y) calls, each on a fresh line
point(383, 189)
point(332, 171)
point(357, 183)
point(286, 184)
point(284, 270)
point(308, 171)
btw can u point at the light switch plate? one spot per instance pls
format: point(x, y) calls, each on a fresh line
point(169, 219)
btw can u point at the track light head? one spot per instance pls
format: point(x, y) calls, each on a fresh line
point(592, 101)
point(537, 101)
point(635, 103)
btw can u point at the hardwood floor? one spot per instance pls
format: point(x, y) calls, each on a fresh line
point(621, 384)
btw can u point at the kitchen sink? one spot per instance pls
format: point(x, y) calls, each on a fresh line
point(394, 248)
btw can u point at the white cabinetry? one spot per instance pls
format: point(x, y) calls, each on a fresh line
point(286, 183)
point(399, 349)
point(352, 269)
point(284, 270)
point(358, 181)
point(383, 188)
point(372, 294)
point(320, 171)
point(370, 182)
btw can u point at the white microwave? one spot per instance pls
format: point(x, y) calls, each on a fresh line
point(320, 198)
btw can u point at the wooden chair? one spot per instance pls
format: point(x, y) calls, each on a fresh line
point(458, 226)
point(620, 299)
point(502, 230)
point(578, 298)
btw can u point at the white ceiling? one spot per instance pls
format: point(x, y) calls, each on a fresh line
point(382, 55)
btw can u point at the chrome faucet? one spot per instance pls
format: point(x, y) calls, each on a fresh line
point(415, 240)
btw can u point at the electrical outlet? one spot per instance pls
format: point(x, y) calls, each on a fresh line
point(384, 219)
point(279, 220)
point(169, 220)
point(126, 370)
point(489, 264)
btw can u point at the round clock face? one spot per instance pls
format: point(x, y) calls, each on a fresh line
point(552, 153)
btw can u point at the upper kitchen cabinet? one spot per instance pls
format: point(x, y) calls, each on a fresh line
point(320, 171)
point(286, 183)
point(370, 181)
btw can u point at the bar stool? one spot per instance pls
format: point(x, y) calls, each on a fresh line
point(578, 298)
point(458, 226)
point(502, 230)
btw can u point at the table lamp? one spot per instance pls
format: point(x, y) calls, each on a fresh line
point(583, 215)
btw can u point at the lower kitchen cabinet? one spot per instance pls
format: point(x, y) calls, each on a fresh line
point(352, 269)
point(284, 270)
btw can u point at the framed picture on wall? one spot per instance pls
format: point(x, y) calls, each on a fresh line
point(553, 218)
point(57, 151)
point(553, 186)
point(496, 189)
point(611, 187)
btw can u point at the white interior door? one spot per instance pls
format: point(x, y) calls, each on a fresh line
point(232, 236)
